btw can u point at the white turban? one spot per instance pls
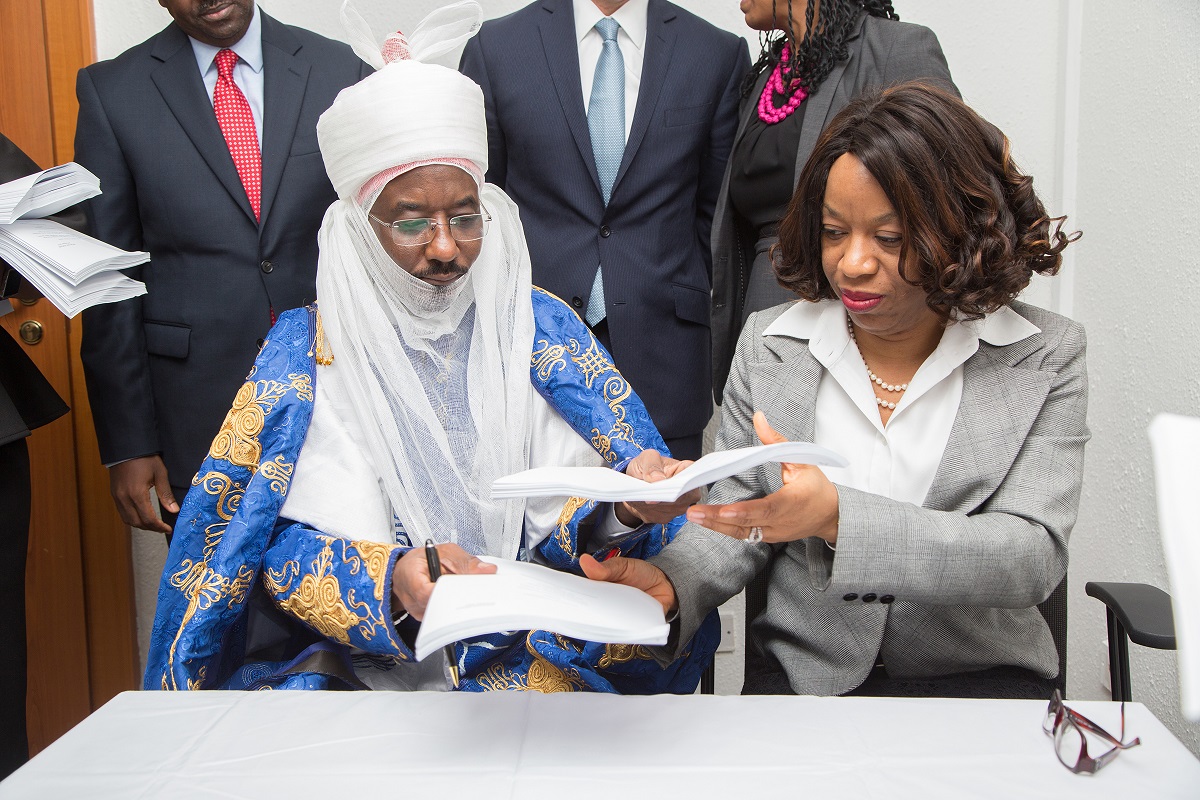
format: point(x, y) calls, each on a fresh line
point(408, 112)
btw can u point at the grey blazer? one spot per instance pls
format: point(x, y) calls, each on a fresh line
point(881, 52)
point(945, 587)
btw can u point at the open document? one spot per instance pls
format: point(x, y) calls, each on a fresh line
point(46, 192)
point(608, 485)
point(73, 270)
point(1174, 440)
point(522, 596)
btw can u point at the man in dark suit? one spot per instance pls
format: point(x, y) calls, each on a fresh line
point(609, 124)
point(27, 401)
point(209, 161)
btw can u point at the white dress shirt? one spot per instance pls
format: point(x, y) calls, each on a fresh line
point(631, 38)
point(898, 460)
point(247, 72)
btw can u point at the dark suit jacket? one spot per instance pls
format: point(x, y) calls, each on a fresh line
point(880, 52)
point(653, 238)
point(27, 400)
point(161, 369)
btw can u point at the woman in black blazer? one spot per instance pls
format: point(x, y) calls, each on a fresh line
point(816, 61)
point(27, 401)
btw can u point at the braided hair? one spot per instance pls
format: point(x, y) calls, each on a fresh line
point(812, 58)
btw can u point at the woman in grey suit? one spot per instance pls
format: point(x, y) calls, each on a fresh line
point(915, 571)
point(815, 59)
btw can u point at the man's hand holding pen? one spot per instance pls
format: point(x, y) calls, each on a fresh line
point(411, 584)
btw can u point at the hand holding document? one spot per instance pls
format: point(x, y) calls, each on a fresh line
point(73, 270)
point(608, 485)
point(521, 596)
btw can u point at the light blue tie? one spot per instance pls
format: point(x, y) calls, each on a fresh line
point(606, 123)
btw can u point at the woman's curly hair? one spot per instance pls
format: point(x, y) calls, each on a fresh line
point(974, 229)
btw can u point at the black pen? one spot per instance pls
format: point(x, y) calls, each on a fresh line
point(435, 572)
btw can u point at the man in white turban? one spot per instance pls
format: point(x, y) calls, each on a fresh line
point(380, 421)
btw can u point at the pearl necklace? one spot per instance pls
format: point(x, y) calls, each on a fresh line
point(887, 387)
point(767, 111)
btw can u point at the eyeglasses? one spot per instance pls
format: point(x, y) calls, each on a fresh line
point(417, 232)
point(1067, 728)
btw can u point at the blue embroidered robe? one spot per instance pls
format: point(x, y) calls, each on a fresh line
point(230, 537)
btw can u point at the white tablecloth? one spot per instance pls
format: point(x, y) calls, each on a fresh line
point(451, 746)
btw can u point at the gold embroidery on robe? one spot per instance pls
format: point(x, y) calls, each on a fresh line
point(542, 676)
point(562, 531)
point(279, 473)
point(375, 557)
point(623, 654)
point(200, 584)
point(237, 440)
point(317, 599)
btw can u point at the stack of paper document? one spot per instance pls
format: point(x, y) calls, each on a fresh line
point(608, 485)
point(46, 192)
point(521, 596)
point(73, 270)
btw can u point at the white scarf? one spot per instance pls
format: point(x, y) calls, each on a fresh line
point(396, 340)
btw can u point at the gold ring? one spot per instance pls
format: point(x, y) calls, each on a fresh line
point(755, 535)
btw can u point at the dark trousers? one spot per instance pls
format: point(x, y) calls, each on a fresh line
point(14, 541)
point(684, 448)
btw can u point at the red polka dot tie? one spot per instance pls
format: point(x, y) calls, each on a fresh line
point(237, 123)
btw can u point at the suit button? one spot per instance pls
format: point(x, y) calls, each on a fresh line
point(267, 267)
point(869, 597)
point(577, 302)
point(887, 598)
point(604, 231)
point(849, 596)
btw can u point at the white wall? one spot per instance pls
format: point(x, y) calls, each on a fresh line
point(1099, 107)
point(1139, 208)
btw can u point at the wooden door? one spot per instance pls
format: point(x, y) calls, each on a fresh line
point(79, 582)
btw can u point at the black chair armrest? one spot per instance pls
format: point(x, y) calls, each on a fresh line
point(1143, 610)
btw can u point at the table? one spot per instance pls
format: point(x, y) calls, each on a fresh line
point(443, 746)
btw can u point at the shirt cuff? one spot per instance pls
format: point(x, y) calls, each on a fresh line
point(610, 527)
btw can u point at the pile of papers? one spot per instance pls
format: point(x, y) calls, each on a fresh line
point(521, 596)
point(608, 485)
point(73, 270)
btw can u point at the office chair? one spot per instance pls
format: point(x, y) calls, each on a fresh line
point(1135, 611)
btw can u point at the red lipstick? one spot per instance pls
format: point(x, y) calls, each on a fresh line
point(859, 302)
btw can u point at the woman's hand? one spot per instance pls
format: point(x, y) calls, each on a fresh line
point(651, 466)
point(633, 572)
point(411, 586)
point(806, 505)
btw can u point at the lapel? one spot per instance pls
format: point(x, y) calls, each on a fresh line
point(999, 405)
point(660, 42)
point(557, 29)
point(816, 116)
point(749, 107)
point(787, 394)
point(285, 78)
point(182, 89)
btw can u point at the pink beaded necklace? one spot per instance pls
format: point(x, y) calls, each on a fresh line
point(767, 110)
